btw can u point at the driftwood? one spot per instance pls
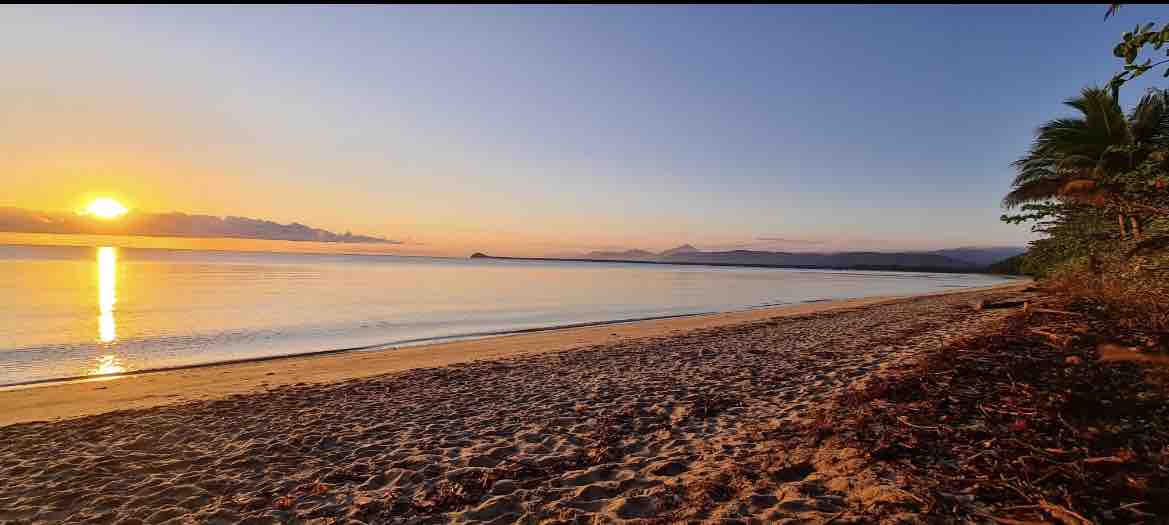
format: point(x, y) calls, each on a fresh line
point(986, 305)
point(1065, 515)
point(1060, 340)
point(1058, 312)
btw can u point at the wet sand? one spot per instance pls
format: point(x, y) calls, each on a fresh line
point(597, 423)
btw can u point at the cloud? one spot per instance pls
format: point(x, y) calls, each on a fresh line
point(173, 225)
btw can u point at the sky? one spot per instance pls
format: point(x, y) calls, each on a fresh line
point(551, 130)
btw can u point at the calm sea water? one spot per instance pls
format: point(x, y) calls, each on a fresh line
point(67, 312)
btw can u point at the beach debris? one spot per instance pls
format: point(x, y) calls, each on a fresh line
point(1112, 352)
point(285, 502)
point(318, 488)
point(997, 428)
point(442, 496)
point(706, 405)
point(981, 305)
point(1055, 312)
point(1064, 515)
point(1056, 340)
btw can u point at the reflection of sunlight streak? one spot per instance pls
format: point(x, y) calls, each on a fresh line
point(106, 365)
point(107, 331)
point(107, 293)
point(107, 297)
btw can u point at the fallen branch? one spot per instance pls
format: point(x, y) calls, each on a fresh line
point(1105, 459)
point(984, 305)
point(1058, 339)
point(905, 421)
point(1059, 312)
point(1065, 515)
point(1009, 521)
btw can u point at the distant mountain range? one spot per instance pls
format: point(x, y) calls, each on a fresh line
point(982, 256)
point(951, 260)
point(171, 225)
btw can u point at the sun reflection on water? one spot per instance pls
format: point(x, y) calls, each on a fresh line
point(107, 297)
point(107, 293)
point(107, 365)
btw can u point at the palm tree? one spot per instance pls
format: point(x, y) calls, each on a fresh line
point(1076, 159)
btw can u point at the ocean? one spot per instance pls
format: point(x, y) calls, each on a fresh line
point(70, 312)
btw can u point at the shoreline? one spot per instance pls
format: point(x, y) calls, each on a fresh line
point(376, 347)
point(78, 397)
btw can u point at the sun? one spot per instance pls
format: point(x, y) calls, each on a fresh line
point(105, 208)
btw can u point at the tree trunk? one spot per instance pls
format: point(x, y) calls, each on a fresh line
point(1136, 227)
point(1120, 221)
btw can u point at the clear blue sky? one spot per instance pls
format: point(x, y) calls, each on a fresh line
point(551, 130)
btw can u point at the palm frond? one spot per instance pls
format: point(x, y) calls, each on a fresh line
point(1072, 159)
point(1034, 191)
point(1102, 113)
point(1034, 174)
point(1148, 117)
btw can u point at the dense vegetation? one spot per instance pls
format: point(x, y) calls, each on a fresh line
point(1096, 185)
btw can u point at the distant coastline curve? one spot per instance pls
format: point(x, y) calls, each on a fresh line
point(862, 267)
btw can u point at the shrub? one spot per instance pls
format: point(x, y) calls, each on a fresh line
point(1134, 291)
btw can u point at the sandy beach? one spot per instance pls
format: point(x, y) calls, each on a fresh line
point(597, 423)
